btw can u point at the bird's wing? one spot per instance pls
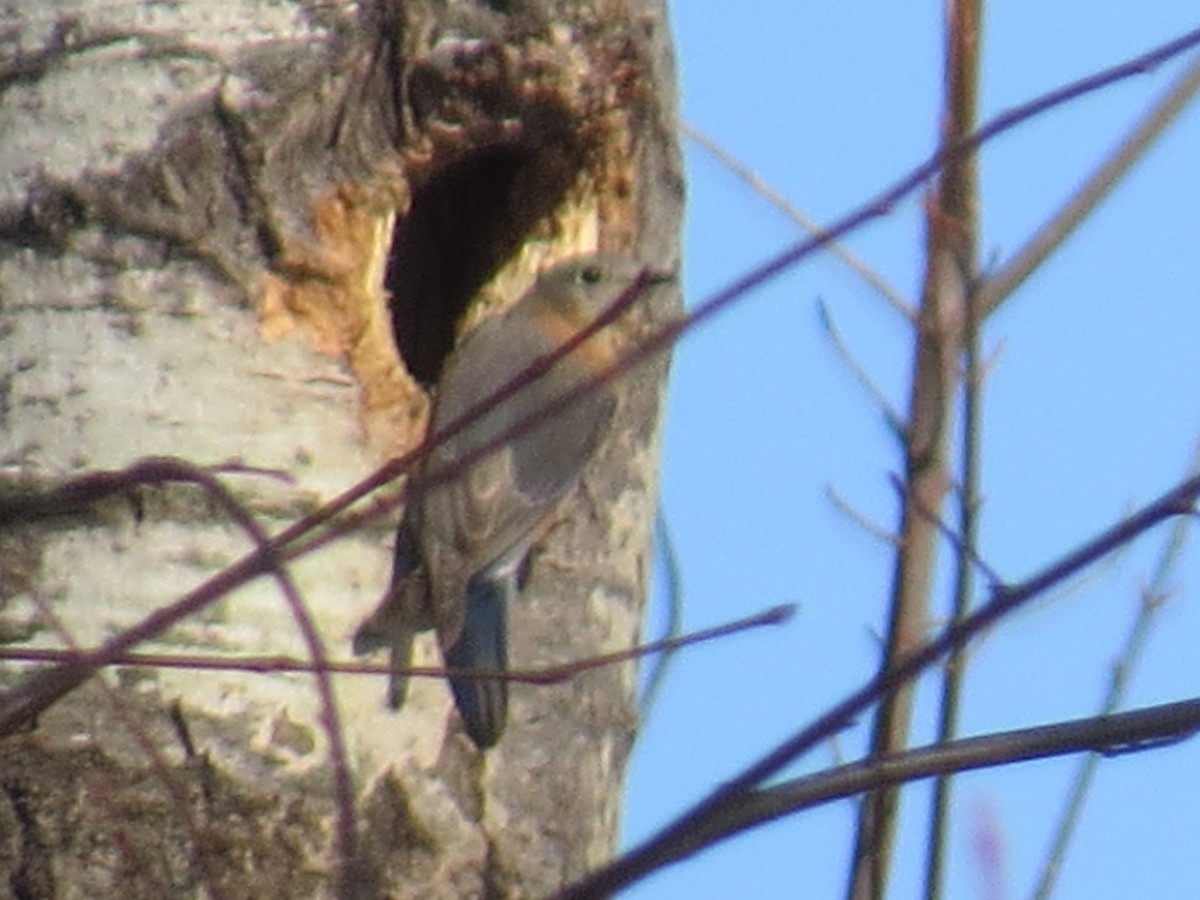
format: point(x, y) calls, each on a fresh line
point(490, 513)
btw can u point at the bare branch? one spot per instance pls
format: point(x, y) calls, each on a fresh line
point(644, 859)
point(899, 303)
point(1001, 286)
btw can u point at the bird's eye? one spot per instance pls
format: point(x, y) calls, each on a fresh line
point(590, 274)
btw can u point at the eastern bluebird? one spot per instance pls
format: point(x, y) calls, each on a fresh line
point(463, 541)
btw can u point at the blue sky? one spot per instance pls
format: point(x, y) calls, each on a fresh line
point(1090, 410)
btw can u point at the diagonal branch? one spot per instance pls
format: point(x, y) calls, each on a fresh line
point(1005, 599)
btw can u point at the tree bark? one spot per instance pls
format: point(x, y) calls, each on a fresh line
point(245, 235)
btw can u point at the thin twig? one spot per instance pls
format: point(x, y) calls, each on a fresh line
point(162, 470)
point(643, 859)
point(894, 420)
point(1123, 669)
point(871, 527)
point(1001, 286)
point(673, 602)
point(857, 265)
point(554, 674)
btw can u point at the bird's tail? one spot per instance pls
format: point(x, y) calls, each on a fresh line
point(483, 646)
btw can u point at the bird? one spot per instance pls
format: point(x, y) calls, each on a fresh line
point(469, 523)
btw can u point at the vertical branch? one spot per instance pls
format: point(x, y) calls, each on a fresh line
point(941, 325)
point(960, 201)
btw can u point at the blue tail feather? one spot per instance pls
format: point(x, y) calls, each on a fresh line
point(483, 645)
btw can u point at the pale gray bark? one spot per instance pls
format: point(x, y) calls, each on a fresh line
point(197, 204)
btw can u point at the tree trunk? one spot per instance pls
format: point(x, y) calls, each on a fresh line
point(245, 235)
